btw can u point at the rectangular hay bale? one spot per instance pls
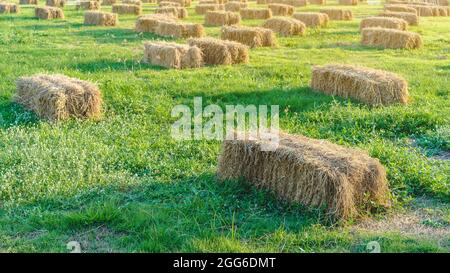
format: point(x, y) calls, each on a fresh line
point(255, 13)
point(281, 9)
point(48, 13)
point(391, 38)
point(100, 18)
point(338, 14)
point(172, 55)
point(55, 3)
point(149, 22)
point(312, 19)
point(383, 22)
point(235, 6)
point(28, 2)
point(286, 26)
point(400, 8)
point(222, 18)
point(180, 29)
point(204, 8)
point(348, 2)
point(178, 12)
point(127, 9)
point(220, 52)
point(250, 36)
point(295, 3)
point(88, 5)
point(411, 18)
point(9, 8)
point(109, 2)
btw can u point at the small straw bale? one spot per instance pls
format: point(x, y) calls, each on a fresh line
point(235, 6)
point(132, 2)
point(48, 13)
point(295, 3)
point(100, 18)
point(88, 5)
point(317, 2)
point(183, 3)
point(220, 52)
point(411, 18)
point(58, 97)
point(108, 2)
point(213, 2)
point(312, 19)
point(127, 9)
point(281, 9)
point(338, 14)
point(285, 26)
point(55, 3)
point(172, 55)
point(169, 4)
point(371, 86)
point(180, 29)
point(9, 8)
point(202, 9)
point(391, 38)
point(348, 2)
point(178, 12)
point(28, 2)
point(149, 22)
point(383, 22)
point(251, 13)
point(400, 8)
point(250, 36)
point(422, 10)
point(222, 18)
point(316, 173)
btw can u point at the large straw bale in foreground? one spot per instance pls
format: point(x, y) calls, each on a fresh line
point(87, 5)
point(204, 8)
point(178, 12)
point(315, 173)
point(57, 97)
point(312, 19)
point(371, 86)
point(127, 9)
point(383, 22)
point(180, 29)
point(222, 18)
point(28, 2)
point(348, 2)
point(235, 6)
point(9, 8)
point(149, 22)
point(220, 52)
point(48, 13)
point(281, 9)
point(411, 18)
point(338, 14)
point(391, 38)
point(285, 26)
point(250, 36)
point(55, 3)
point(400, 8)
point(172, 55)
point(250, 13)
point(100, 18)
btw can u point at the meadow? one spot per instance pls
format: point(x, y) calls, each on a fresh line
point(122, 184)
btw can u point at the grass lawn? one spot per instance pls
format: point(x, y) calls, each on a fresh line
point(123, 184)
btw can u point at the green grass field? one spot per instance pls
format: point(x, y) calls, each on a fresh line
point(124, 185)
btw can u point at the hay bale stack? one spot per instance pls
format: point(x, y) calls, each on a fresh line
point(9, 8)
point(338, 14)
point(127, 9)
point(204, 8)
point(400, 8)
point(108, 2)
point(315, 173)
point(180, 30)
point(55, 3)
point(411, 18)
point(47, 13)
point(57, 97)
point(88, 5)
point(249, 13)
point(312, 19)
point(149, 23)
point(295, 3)
point(429, 10)
point(221, 52)
point(235, 6)
point(213, 1)
point(169, 4)
point(250, 36)
point(28, 2)
point(348, 2)
point(317, 2)
point(100, 18)
point(183, 3)
point(286, 26)
point(172, 55)
point(222, 18)
point(132, 2)
point(391, 38)
point(383, 22)
point(371, 86)
point(178, 12)
point(281, 9)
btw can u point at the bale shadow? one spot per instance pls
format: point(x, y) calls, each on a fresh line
point(350, 47)
point(118, 35)
point(13, 114)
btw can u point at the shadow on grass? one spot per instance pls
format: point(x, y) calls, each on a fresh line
point(13, 114)
point(351, 46)
point(118, 35)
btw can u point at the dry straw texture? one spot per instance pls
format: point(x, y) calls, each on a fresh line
point(411, 18)
point(132, 2)
point(172, 55)
point(88, 5)
point(430, 10)
point(213, 1)
point(312, 19)
point(371, 86)
point(338, 14)
point(109, 2)
point(180, 29)
point(47, 13)
point(235, 6)
point(317, 2)
point(391, 38)
point(281, 9)
point(383, 22)
point(100, 18)
point(348, 2)
point(221, 52)
point(222, 18)
point(250, 36)
point(55, 3)
point(183, 3)
point(169, 4)
point(178, 12)
point(315, 173)
point(9, 8)
point(400, 8)
point(127, 9)
point(149, 23)
point(28, 2)
point(295, 3)
point(57, 97)
point(249, 13)
point(286, 26)
point(203, 9)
